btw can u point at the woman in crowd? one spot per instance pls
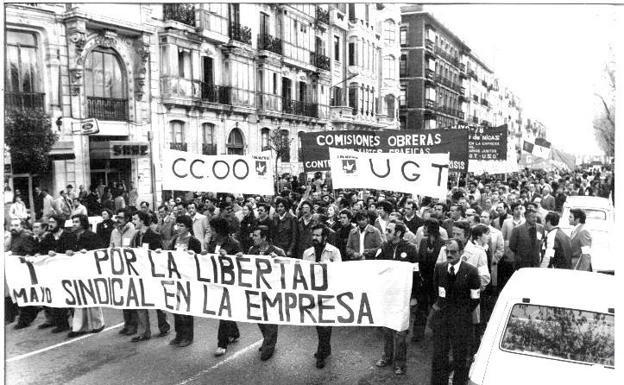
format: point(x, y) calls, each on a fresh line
point(105, 228)
point(18, 210)
point(247, 226)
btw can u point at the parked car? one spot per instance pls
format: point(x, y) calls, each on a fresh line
point(550, 326)
point(601, 224)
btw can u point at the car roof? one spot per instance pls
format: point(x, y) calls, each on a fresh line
point(564, 288)
point(582, 201)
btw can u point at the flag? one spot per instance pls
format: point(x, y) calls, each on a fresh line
point(528, 147)
point(539, 149)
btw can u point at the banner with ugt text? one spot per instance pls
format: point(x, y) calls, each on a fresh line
point(418, 174)
point(237, 174)
point(244, 288)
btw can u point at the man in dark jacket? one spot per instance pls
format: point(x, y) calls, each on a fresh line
point(458, 294)
point(343, 229)
point(558, 251)
point(22, 244)
point(304, 228)
point(145, 238)
point(526, 241)
point(284, 228)
point(262, 246)
point(397, 249)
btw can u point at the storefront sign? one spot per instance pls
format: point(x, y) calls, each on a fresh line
point(236, 174)
point(316, 145)
point(418, 174)
point(246, 288)
point(119, 150)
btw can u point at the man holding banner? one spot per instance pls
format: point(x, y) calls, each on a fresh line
point(323, 252)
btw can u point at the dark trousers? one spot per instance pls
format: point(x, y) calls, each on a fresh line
point(144, 322)
point(10, 310)
point(324, 341)
point(269, 333)
point(183, 326)
point(130, 319)
point(505, 271)
point(425, 301)
point(226, 330)
point(27, 315)
point(455, 336)
point(395, 348)
point(60, 317)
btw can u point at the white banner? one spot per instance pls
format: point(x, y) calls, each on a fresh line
point(422, 174)
point(236, 174)
point(245, 288)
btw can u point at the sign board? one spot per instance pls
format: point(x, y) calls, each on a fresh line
point(487, 143)
point(315, 145)
point(89, 126)
point(418, 174)
point(118, 149)
point(237, 174)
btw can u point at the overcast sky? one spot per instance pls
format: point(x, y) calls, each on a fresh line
point(551, 56)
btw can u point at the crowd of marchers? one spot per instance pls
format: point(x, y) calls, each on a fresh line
point(466, 247)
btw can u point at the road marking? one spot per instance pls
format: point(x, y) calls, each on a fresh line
point(61, 344)
point(230, 358)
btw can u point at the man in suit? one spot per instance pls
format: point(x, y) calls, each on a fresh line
point(285, 228)
point(22, 244)
point(581, 241)
point(147, 239)
point(526, 240)
point(558, 250)
point(548, 201)
point(458, 288)
point(364, 240)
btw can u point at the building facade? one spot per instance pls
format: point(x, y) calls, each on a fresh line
point(209, 78)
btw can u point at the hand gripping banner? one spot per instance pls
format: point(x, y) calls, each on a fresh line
point(244, 288)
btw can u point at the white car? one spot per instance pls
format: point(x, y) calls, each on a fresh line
point(550, 326)
point(600, 222)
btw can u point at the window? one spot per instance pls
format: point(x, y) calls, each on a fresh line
point(177, 131)
point(209, 147)
point(336, 96)
point(351, 11)
point(184, 63)
point(403, 65)
point(403, 36)
point(264, 139)
point(336, 48)
point(22, 59)
point(388, 68)
point(235, 143)
point(389, 99)
point(545, 331)
point(389, 32)
point(285, 139)
point(103, 75)
point(352, 61)
point(403, 96)
point(430, 93)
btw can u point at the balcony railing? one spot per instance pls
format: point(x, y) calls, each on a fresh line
point(270, 43)
point(216, 94)
point(180, 87)
point(462, 90)
point(472, 74)
point(269, 102)
point(322, 15)
point(462, 67)
point(320, 61)
point(24, 100)
point(430, 45)
point(430, 74)
point(183, 13)
point(179, 146)
point(430, 104)
point(208, 149)
point(297, 107)
point(107, 108)
point(240, 33)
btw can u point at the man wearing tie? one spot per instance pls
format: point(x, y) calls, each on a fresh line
point(526, 240)
point(581, 241)
point(322, 252)
point(458, 287)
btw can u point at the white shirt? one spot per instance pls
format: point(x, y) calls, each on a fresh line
point(362, 233)
point(550, 247)
point(455, 266)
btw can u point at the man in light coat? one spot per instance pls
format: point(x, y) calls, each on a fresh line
point(581, 241)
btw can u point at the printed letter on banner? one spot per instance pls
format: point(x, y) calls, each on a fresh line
point(246, 288)
point(418, 174)
point(217, 173)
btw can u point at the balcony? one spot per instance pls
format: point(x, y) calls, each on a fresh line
point(107, 108)
point(240, 33)
point(462, 67)
point(24, 100)
point(270, 43)
point(183, 13)
point(430, 104)
point(472, 74)
point(430, 45)
point(216, 94)
point(461, 90)
point(296, 107)
point(485, 102)
point(484, 83)
point(268, 103)
point(430, 74)
point(475, 98)
point(179, 146)
point(320, 61)
point(322, 15)
point(462, 75)
point(208, 149)
point(463, 99)
point(460, 114)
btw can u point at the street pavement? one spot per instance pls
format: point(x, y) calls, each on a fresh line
point(35, 356)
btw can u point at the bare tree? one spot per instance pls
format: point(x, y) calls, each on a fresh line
point(279, 144)
point(604, 121)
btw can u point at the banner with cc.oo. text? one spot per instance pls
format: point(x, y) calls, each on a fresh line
point(418, 174)
point(246, 288)
point(237, 174)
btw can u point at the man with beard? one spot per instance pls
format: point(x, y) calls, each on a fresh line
point(123, 236)
point(322, 252)
point(284, 228)
point(222, 243)
point(147, 239)
point(264, 219)
point(22, 244)
point(262, 246)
